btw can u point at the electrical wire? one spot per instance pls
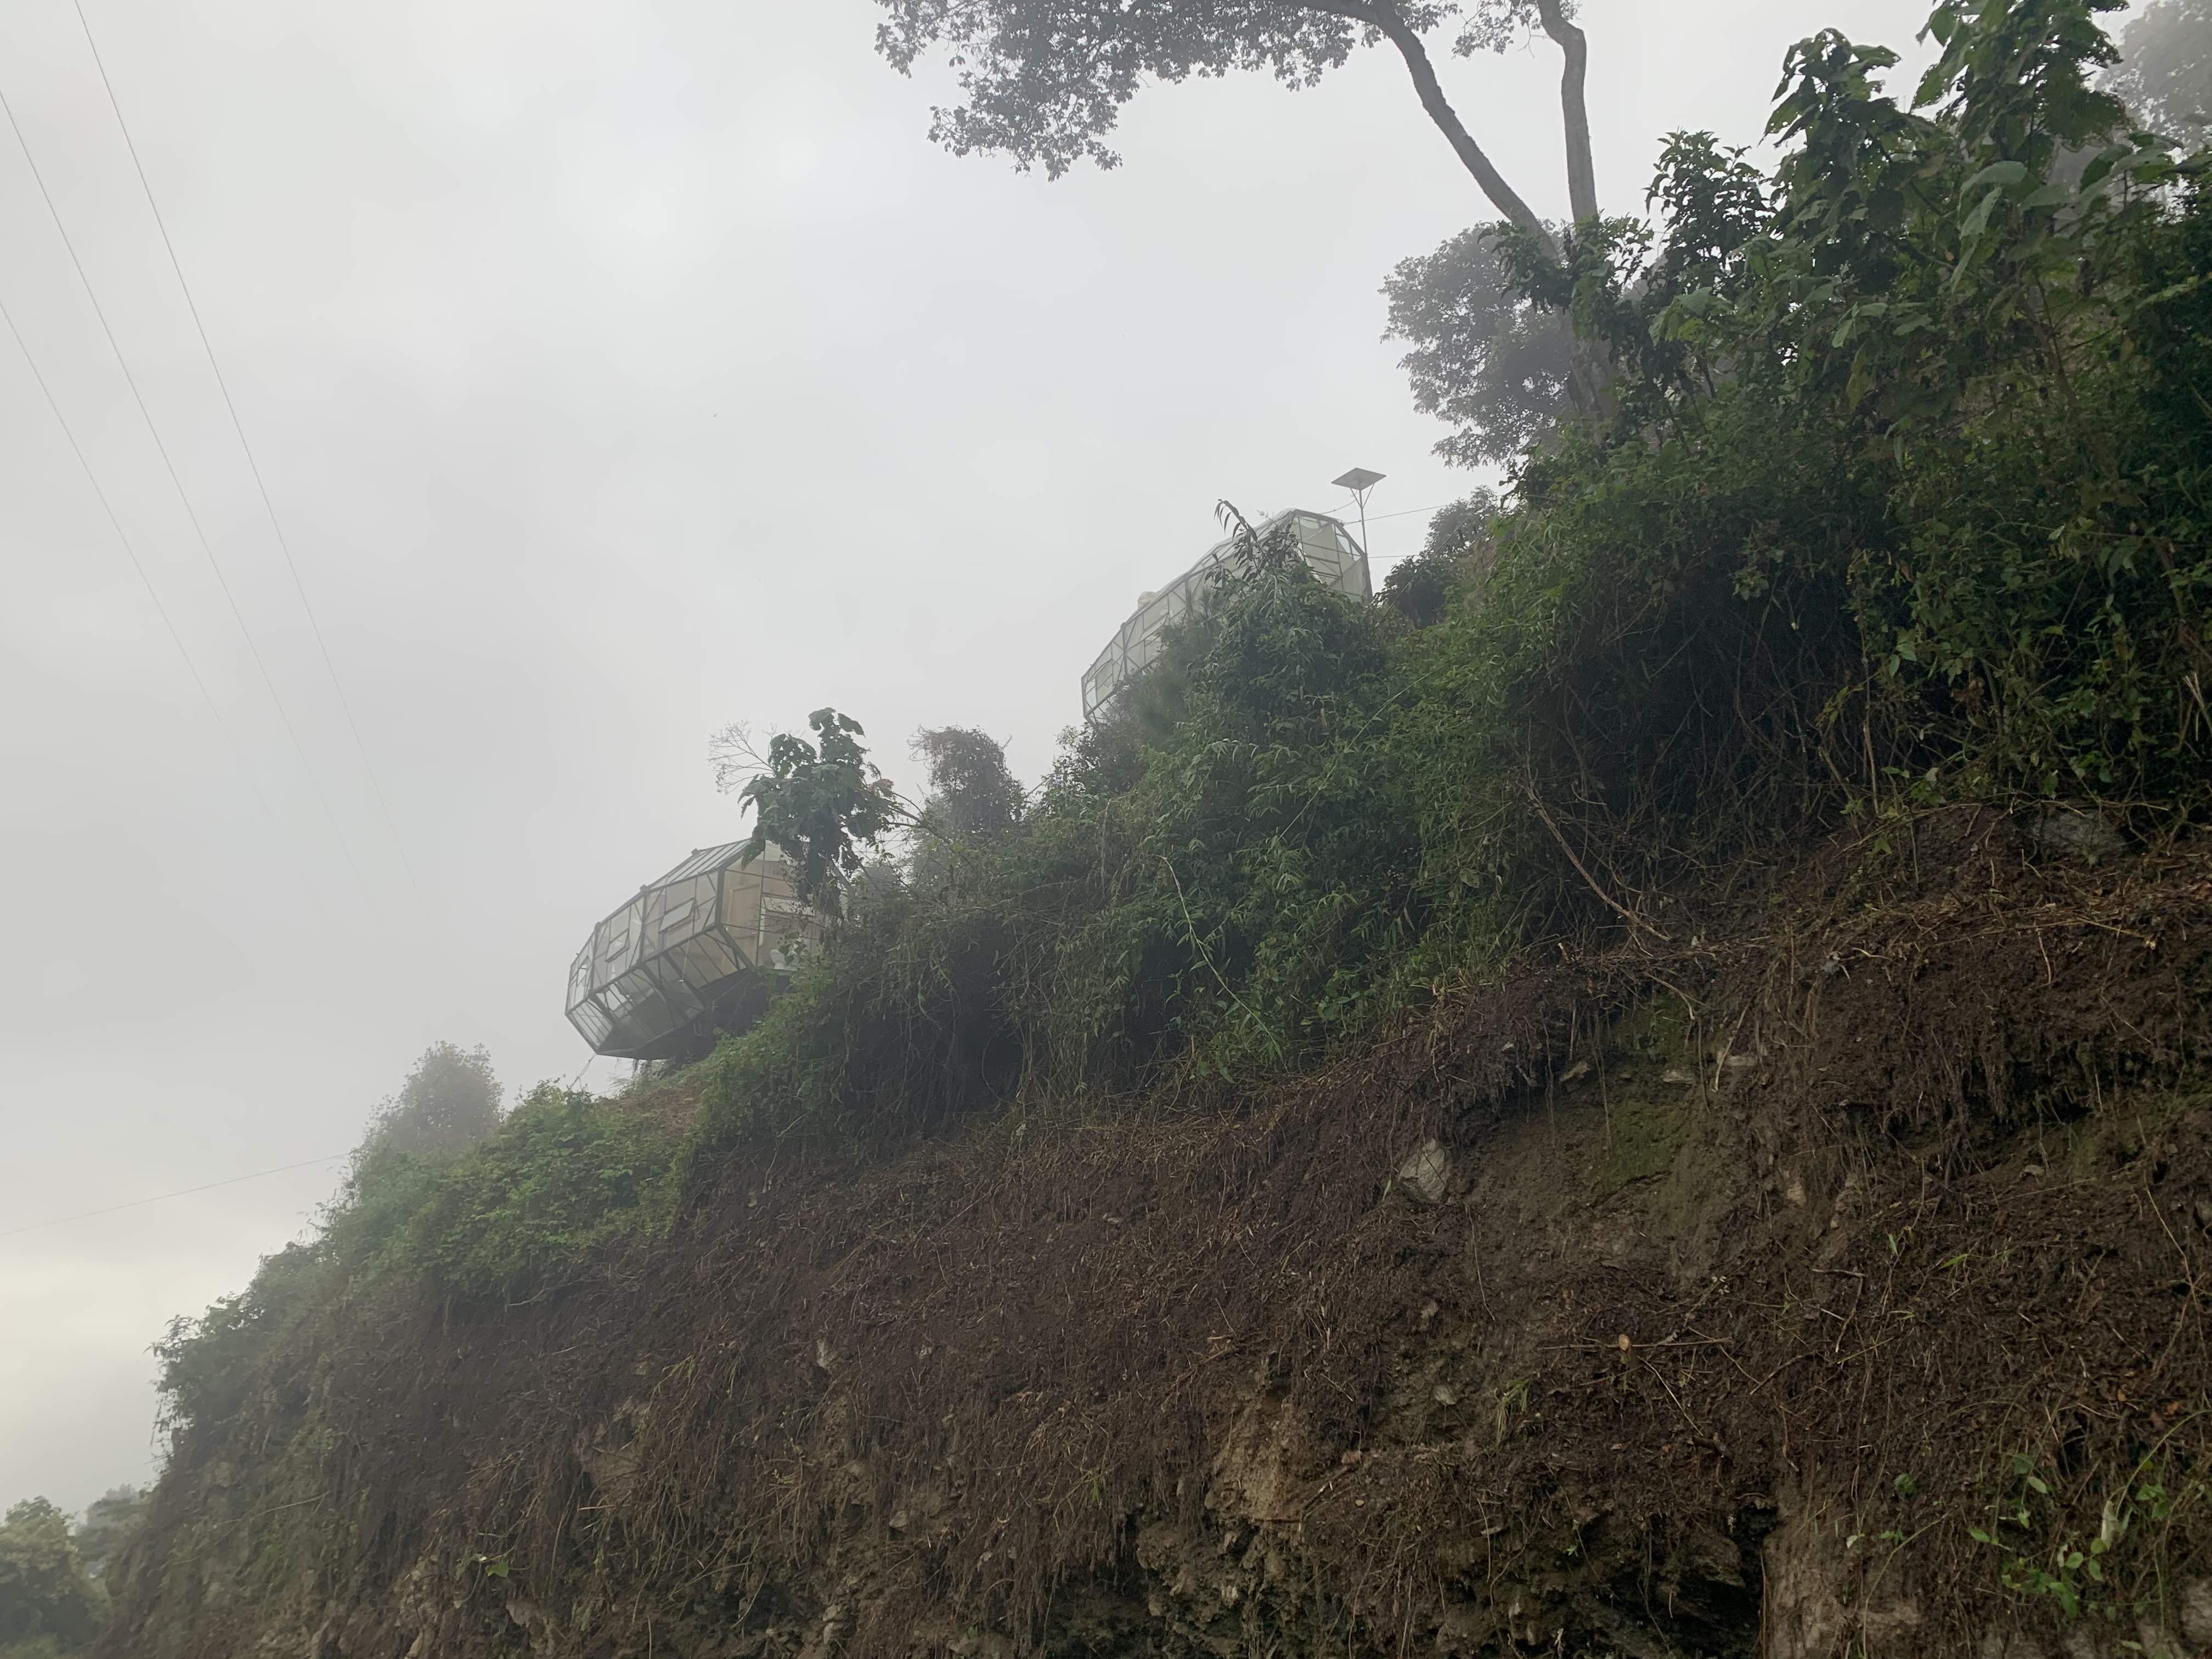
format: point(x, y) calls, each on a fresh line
point(130, 552)
point(161, 1198)
point(1402, 512)
point(253, 464)
point(145, 414)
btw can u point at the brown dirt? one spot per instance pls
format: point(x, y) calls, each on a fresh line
point(1696, 1297)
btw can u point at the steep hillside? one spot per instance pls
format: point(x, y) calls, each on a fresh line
point(1652, 1101)
point(1841, 1284)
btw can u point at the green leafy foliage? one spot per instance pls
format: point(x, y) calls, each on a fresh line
point(2165, 73)
point(2109, 1576)
point(48, 1605)
point(974, 801)
point(1897, 494)
point(1206, 881)
point(566, 1172)
point(973, 794)
point(1487, 357)
point(449, 1101)
point(210, 1365)
point(1045, 83)
point(502, 1216)
point(822, 804)
point(1459, 548)
point(2005, 352)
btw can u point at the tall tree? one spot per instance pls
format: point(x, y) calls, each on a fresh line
point(973, 798)
point(43, 1591)
point(973, 793)
point(1044, 81)
point(1485, 358)
point(2165, 73)
point(450, 1100)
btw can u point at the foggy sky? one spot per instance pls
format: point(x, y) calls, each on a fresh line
point(617, 370)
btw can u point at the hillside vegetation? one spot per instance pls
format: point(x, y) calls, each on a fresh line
point(1646, 1096)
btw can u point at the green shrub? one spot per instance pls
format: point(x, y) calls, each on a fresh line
point(560, 1176)
point(565, 1173)
point(209, 1365)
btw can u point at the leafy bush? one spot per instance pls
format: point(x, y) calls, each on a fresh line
point(1205, 881)
point(209, 1365)
point(498, 1218)
point(566, 1172)
point(1458, 548)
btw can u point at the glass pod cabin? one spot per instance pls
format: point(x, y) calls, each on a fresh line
point(1328, 548)
point(693, 952)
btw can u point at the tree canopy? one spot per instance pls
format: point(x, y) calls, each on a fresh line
point(973, 793)
point(449, 1101)
point(45, 1594)
point(1044, 81)
point(1485, 358)
point(821, 804)
point(2165, 73)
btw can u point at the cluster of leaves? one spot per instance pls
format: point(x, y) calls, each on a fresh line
point(1206, 881)
point(497, 1216)
point(566, 1172)
point(819, 802)
point(2107, 1576)
point(1486, 356)
point(50, 1606)
point(210, 1365)
point(1044, 81)
point(1459, 548)
point(1992, 345)
point(450, 1100)
point(2165, 73)
point(973, 795)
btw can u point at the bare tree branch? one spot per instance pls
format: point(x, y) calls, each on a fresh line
point(1384, 17)
point(1582, 172)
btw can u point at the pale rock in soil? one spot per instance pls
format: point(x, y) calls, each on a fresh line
point(1426, 1172)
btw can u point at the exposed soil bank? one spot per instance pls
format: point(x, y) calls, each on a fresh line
point(1833, 1288)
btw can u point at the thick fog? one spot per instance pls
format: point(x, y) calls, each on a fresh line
point(616, 370)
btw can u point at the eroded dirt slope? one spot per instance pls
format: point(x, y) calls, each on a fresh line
point(1830, 1281)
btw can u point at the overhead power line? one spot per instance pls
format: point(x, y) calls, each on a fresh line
point(159, 1198)
point(207, 547)
point(253, 464)
point(136, 563)
point(1402, 512)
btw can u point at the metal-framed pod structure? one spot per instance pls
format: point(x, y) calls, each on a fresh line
point(697, 949)
point(1329, 549)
